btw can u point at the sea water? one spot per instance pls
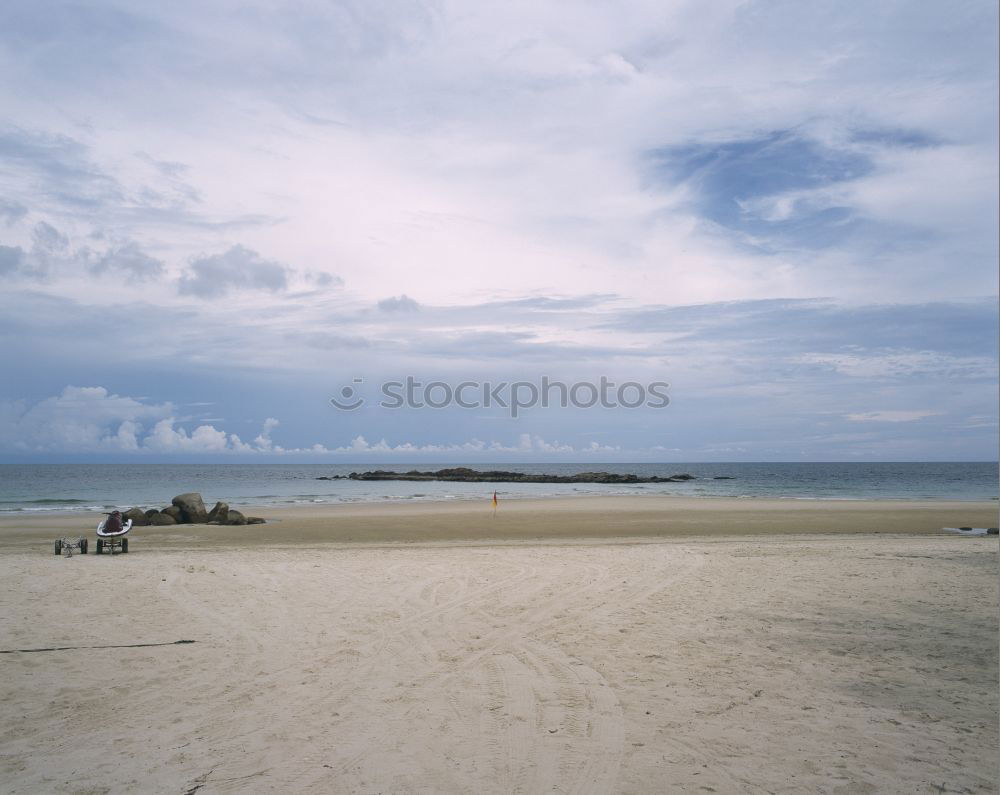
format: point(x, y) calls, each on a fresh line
point(97, 487)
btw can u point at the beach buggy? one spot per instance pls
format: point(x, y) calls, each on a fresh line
point(112, 534)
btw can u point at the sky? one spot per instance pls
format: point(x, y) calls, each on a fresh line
point(217, 216)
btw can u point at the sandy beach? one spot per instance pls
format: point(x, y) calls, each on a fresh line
point(587, 645)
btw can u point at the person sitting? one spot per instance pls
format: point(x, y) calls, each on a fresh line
point(113, 524)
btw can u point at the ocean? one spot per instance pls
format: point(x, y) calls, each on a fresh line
point(98, 487)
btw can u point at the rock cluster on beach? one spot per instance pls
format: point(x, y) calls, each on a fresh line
point(466, 475)
point(189, 509)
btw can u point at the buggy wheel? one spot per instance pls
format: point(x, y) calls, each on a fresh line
point(59, 546)
point(100, 546)
point(124, 545)
point(83, 546)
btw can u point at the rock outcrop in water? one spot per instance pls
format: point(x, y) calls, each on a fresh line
point(189, 509)
point(192, 508)
point(466, 475)
point(220, 513)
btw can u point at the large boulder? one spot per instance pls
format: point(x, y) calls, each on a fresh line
point(137, 515)
point(192, 507)
point(152, 512)
point(174, 513)
point(235, 517)
point(220, 513)
point(161, 518)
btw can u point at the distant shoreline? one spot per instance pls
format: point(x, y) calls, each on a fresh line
point(92, 489)
point(425, 501)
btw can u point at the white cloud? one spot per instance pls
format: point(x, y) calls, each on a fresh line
point(80, 419)
point(92, 420)
point(526, 443)
point(165, 438)
point(891, 416)
point(482, 161)
point(506, 148)
point(360, 444)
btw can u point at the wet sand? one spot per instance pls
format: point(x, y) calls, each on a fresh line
point(540, 519)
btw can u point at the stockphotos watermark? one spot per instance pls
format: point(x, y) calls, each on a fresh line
point(514, 396)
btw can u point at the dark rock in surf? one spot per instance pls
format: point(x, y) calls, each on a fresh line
point(220, 513)
point(192, 507)
point(466, 475)
point(137, 515)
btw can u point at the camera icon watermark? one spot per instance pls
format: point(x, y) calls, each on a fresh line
point(349, 399)
point(514, 397)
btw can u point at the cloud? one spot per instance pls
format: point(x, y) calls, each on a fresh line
point(49, 250)
point(891, 416)
point(526, 444)
point(11, 211)
point(402, 303)
point(263, 441)
point(893, 364)
point(11, 259)
point(165, 438)
point(130, 260)
point(322, 279)
point(822, 326)
point(359, 444)
point(53, 256)
point(54, 167)
point(79, 419)
point(93, 420)
point(241, 269)
point(49, 239)
point(616, 190)
point(238, 268)
point(68, 177)
point(327, 340)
